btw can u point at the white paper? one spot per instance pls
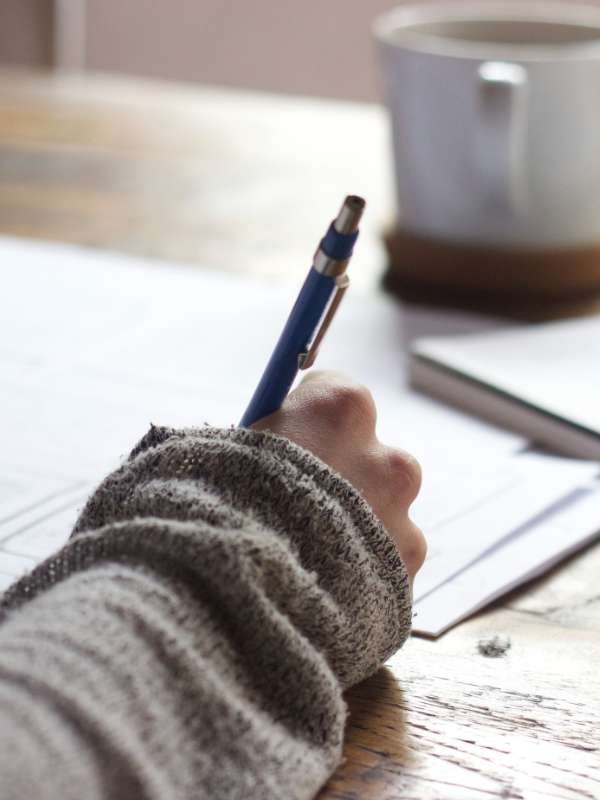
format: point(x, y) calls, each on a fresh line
point(21, 490)
point(95, 347)
point(178, 346)
point(527, 486)
point(566, 354)
point(43, 536)
point(537, 548)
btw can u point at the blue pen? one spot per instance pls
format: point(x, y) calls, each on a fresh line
point(317, 303)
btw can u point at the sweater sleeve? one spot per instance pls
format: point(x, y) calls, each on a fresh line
point(194, 636)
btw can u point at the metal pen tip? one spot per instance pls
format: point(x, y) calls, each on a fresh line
point(350, 213)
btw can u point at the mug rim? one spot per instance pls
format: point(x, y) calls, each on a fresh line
point(397, 28)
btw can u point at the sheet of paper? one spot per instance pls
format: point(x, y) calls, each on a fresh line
point(535, 549)
point(96, 346)
point(42, 536)
point(180, 346)
point(21, 490)
point(527, 486)
point(503, 359)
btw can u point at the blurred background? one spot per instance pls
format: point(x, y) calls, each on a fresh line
point(321, 49)
point(176, 168)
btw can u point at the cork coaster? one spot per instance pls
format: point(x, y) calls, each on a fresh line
point(529, 284)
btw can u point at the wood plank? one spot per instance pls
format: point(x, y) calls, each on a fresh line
point(443, 721)
point(237, 181)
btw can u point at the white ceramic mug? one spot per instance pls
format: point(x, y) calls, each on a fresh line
point(495, 112)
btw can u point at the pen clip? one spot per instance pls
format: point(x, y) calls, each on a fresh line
point(307, 359)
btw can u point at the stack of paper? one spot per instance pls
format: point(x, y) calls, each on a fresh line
point(94, 347)
point(490, 374)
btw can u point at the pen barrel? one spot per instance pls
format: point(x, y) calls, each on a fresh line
point(282, 368)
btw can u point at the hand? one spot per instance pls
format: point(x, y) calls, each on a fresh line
point(335, 419)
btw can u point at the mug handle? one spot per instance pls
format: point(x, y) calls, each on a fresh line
point(501, 129)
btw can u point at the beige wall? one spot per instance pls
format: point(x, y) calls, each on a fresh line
point(320, 47)
point(313, 47)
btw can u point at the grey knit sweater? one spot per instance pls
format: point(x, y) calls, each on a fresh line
point(194, 637)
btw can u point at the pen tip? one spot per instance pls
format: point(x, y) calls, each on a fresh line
point(350, 213)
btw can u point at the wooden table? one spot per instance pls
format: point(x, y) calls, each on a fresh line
point(242, 182)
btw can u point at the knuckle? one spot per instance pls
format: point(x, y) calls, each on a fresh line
point(354, 404)
point(415, 551)
point(405, 473)
point(347, 404)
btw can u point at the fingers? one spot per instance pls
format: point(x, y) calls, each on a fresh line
point(347, 405)
point(412, 546)
point(336, 401)
point(390, 482)
point(335, 418)
point(404, 484)
point(403, 475)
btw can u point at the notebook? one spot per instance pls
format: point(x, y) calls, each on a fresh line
point(541, 381)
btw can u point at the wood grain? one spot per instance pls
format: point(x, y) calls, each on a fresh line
point(230, 180)
point(443, 721)
point(241, 182)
